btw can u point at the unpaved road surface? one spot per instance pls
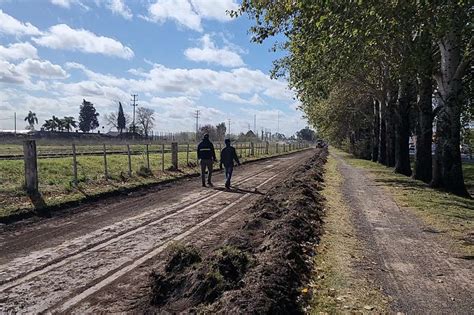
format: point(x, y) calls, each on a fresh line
point(408, 261)
point(69, 263)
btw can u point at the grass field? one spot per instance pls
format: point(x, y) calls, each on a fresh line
point(56, 175)
point(443, 211)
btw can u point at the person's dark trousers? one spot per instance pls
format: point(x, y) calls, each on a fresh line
point(228, 175)
point(206, 164)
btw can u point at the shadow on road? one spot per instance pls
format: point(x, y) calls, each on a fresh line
point(237, 190)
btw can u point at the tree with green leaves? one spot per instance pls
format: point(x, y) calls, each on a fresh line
point(88, 117)
point(31, 119)
point(69, 122)
point(306, 134)
point(389, 52)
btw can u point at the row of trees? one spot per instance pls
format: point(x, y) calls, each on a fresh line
point(373, 72)
point(88, 120)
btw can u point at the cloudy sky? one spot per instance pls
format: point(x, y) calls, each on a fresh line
point(177, 55)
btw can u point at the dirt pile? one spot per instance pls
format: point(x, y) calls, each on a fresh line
point(261, 267)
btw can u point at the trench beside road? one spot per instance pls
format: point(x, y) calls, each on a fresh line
point(55, 264)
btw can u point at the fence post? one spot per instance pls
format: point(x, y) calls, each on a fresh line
point(187, 154)
point(162, 157)
point(266, 147)
point(74, 164)
point(174, 155)
point(277, 148)
point(31, 167)
point(106, 173)
point(147, 157)
point(129, 161)
point(252, 149)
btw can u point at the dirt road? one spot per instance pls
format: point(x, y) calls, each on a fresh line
point(403, 257)
point(63, 263)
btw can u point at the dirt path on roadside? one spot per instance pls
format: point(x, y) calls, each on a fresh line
point(54, 265)
point(408, 261)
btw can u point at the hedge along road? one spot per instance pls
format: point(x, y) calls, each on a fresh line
point(56, 263)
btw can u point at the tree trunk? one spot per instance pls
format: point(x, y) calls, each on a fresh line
point(390, 129)
point(423, 159)
point(402, 130)
point(448, 126)
point(375, 132)
point(382, 154)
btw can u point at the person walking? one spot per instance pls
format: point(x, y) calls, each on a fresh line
point(228, 156)
point(207, 155)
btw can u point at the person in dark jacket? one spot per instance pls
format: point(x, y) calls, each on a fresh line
point(228, 156)
point(207, 155)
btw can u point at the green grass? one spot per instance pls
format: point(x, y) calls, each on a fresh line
point(337, 288)
point(443, 211)
point(55, 176)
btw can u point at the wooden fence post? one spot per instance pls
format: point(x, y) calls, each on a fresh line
point(277, 148)
point(106, 173)
point(266, 147)
point(31, 167)
point(162, 157)
point(147, 157)
point(174, 155)
point(74, 165)
point(129, 161)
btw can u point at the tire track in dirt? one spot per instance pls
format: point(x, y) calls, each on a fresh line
point(39, 291)
point(20, 270)
point(413, 267)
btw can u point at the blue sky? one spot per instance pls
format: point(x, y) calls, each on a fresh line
point(177, 55)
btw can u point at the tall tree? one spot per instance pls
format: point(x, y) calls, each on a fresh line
point(121, 121)
point(88, 117)
point(31, 119)
point(306, 134)
point(145, 119)
point(221, 131)
point(69, 122)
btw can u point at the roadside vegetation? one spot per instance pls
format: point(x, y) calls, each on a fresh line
point(371, 74)
point(442, 211)
point(336, 285)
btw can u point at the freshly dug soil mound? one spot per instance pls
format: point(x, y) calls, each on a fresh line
point(261, 267)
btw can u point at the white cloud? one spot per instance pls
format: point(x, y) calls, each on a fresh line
point(61, 36)
point(39, 68)
point(234, 98)
point(68, 3)
point(21, 73)
point(18, 51)
point(11, 26)
point(211, 54)
point(119, 7)
point(214, 9)
point(189, 13)
point(9, 74)
point(62, 3)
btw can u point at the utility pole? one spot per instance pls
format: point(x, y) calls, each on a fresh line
point(255, 124)
point(196, 115)
point(14, 118)
point(228, 121)
point(134, 104)
point(278, 122)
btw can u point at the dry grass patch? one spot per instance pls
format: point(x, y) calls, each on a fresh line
point(337, 286)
